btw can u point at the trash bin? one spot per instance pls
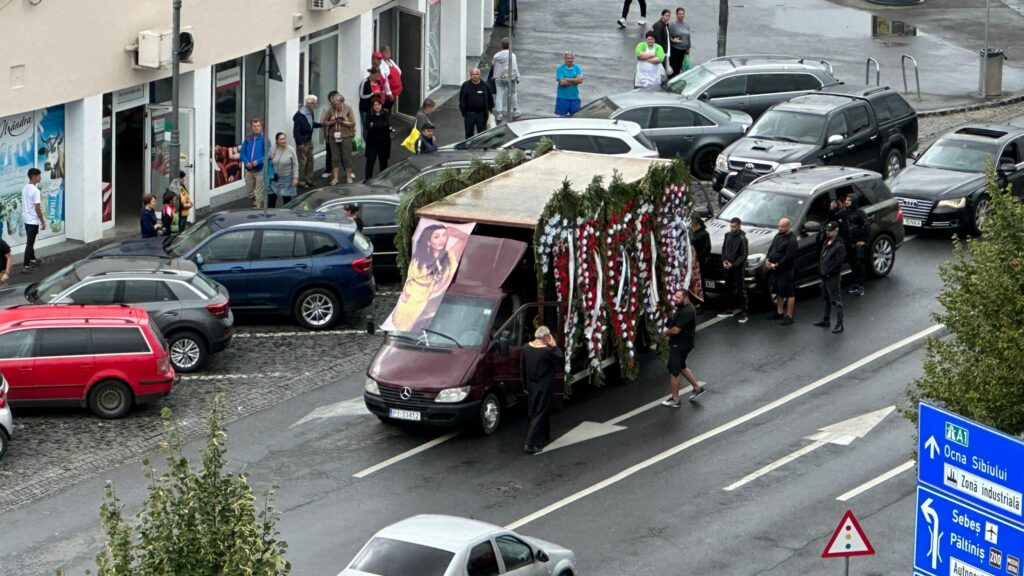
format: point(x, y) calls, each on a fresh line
point(990, 80)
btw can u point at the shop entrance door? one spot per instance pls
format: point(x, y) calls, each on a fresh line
point(129, 174)
point(409, 55)
point(158, 147)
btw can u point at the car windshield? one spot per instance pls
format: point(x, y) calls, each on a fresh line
point(396, 176)
point(602, 108)
point(958, 155)
point(307, 202)
point(461, 319)
point(716, 115)
point(494, 138)
point(52, 286)
point(761, 208)
point(192, 236)
point(691, 82)
point(789, 127)
point(387, 557)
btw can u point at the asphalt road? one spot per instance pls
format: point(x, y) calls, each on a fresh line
point(648, 499)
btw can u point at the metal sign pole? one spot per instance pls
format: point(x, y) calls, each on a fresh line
point(175, 144)
point(984, 63)
point(847, 566)
point(267, 56)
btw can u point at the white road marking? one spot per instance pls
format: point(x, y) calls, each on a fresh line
point(908, 465)
point(350, 407)
point(204, 377)
point(303, 333)
point(405, 455)
point(775, 465)
point(616, 478)
point(910, 237)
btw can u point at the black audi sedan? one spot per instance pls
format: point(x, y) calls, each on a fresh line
point(945, 187)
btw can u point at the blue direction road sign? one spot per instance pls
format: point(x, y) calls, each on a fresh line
point(972, 462)
point(954, 538)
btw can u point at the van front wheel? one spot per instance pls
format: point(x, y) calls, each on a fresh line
point(490, 414)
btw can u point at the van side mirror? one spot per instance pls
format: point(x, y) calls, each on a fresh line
point(1008, 168)
point(812, 227)
point(542, 556)
point(704, 96)
point(198, 258)
point(835, 139)
point(503, 342)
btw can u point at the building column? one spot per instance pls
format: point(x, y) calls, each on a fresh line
point(284, 95)
point(453, 42)
point(83, 178)
point(476, 21)
point(355, 43)
point(197, 93)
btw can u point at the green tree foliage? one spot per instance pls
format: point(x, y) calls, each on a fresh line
point(195, 521)
point(977, 370)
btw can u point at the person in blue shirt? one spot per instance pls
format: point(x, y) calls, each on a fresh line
point(147, 219)
point(569, 77)
point(252, 153)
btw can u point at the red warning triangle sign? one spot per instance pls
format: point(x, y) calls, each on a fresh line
point(848, 539)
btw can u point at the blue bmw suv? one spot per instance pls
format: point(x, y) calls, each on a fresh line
point(314, 266)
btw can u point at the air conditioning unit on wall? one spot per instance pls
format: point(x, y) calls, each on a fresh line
point(321, 5)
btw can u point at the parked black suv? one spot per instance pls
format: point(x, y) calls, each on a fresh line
point(803, 195)
point(862, 127)
point(945, 188)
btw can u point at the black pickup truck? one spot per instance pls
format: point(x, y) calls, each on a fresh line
point(869, 127)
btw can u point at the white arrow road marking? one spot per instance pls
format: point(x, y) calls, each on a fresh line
point(932, 517)
point(588, 430)
point(932, 447)
point(719, 430)
point(842, 433)
point(350, 407)
point(908, 465)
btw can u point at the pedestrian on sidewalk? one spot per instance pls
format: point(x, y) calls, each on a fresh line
point(148, 222)
point(167, 213)
point(323, 135)
point(184, 203)
point(538, 365)
point(371, 86)
point(679, 35)
point(567, 96)
point(32, 216)
point(475, 101)
point(5, 252)
point(625, 12)
point(649, 56)
point(734, 262)
point(378, 138)
point(393, 74)
point(252, 153)
point(661, 36)
point(505, 68)
point(286, 171)
point(423, 116)
point(426, 142)
point(377, 61)
point(830, 267)
point(681, 331)
point(303, 124)
point(341, 130)
point(781, 262)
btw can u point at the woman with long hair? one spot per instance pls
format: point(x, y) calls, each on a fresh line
point(433, 264)
point(378, 138)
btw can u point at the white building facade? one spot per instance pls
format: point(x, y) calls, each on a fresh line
point(74, 103)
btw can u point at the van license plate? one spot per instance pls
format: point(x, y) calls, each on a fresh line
point(709, 284)
point(912, 222)
point(404, 414)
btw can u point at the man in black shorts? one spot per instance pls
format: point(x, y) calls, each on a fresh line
point(781, 262)
point(681, 331)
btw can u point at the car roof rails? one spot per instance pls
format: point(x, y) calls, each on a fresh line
point(734, 58)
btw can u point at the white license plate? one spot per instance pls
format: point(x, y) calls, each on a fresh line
point(709, 284)
point(913, 222)
point(404, 414)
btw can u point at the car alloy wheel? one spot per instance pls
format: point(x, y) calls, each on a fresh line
point(317, 309)
point(883, 256)
point(982, 212)
point(490, 414)
point(185, 353)
point(893, 164)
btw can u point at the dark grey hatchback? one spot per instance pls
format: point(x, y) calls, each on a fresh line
point(190, 309)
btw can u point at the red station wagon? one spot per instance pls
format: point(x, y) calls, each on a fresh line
point(105, 357)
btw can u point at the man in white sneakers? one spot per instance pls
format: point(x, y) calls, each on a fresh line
point(32, 215)
point(682, 329)
point(625, 12)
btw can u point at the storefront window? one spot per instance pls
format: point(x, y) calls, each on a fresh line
point(255, 88)
point(433, 44)
point(228, 121)
point(323, 72)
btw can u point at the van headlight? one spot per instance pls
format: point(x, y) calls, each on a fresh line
point(721, 163)
point(371, 386)
point(449, 395)
point(954, 203)
point(787, 166)
point(754, 260)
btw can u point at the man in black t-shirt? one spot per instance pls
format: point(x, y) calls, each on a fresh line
point(681, 331)
point(5, 253)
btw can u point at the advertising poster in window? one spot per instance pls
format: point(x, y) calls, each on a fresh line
point(227, 104)
point(437, 248)
point(32, 139)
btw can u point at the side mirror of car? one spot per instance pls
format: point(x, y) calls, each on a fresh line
point(199, 260)
point(503, 342)
point(1008, 168)
point(834, 139)
point(704, 96)
point(812, 227)
point(543, 556)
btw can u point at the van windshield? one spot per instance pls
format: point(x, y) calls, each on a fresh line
point(462, 319)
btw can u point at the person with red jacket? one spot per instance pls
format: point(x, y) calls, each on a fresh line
point(392, 74)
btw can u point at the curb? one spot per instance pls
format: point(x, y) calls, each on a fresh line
point(972, 107)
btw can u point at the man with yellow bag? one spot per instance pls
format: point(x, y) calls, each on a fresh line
point(410, 141)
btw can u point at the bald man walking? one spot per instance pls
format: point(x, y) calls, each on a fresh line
point(475, 101)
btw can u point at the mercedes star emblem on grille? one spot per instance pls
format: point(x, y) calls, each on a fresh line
point(406, 393)
point(748, 166)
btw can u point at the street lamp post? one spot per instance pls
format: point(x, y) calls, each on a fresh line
point(175, 149)
point(984, 53)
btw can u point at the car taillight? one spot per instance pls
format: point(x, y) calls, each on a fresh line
point(219, 310)
point(899, 214)
point(3, 394)
point(163, 365)
point(362, 265)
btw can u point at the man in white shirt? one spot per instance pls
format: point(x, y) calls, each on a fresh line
point(32, 215)
point(505, 70)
